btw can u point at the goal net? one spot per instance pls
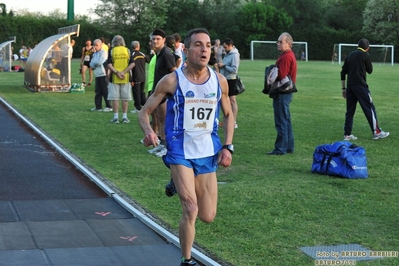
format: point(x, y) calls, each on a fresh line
point(264, 50)
point(379, 53)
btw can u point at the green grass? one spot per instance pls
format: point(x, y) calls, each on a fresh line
point(269, 206)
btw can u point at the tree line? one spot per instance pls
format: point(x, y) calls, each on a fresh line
point(320, 23)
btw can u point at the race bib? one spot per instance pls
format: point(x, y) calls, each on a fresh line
point(199, 114)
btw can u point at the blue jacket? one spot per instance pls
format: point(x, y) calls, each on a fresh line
point(97, 63)
point(231, 62)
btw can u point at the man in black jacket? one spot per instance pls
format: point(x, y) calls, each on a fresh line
point(138, 77)
point(356, 65)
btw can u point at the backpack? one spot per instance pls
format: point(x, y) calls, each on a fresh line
point(342, 159)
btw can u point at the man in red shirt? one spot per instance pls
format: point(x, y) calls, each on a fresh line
point(286, 64)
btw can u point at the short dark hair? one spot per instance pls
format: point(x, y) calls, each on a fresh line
point(159, 32)
point(363, 43)
point(228, 41)
point(187, 39)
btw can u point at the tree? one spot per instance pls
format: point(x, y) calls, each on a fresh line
point(183, 16)
point(133, 19)
point(3, 9)
point(262, 22)
point(381, 21)
point(351, 10)
point(305, 13)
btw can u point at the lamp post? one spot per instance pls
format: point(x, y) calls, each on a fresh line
point(71, 15)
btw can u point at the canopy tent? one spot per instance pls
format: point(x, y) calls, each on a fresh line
point(6, 54)
point(48, 67)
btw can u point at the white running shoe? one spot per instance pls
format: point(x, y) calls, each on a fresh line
point(350, 137)
point(156, 149)
point(142, 141)
point(135, 111)
point(115, 121)
point(125, 120)
point(381, 135)
point(162, 152)
point(107, 109)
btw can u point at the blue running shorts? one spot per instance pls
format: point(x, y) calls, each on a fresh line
point(200, 166)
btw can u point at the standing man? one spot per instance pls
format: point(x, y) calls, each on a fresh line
point(150, 82)
point(137, 79)
point(194, 150)
point(165, 64)
point(66, 53)
point(119, 64)
point(101, 89)
point(229, 69)
point(286, 64)
point(356, 64)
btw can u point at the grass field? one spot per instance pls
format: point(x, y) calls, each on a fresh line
point(269, 206)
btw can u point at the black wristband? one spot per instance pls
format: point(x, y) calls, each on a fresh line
point(343, 89)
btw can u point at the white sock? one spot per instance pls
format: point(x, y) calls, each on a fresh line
point(116, 115)
point(124, 115)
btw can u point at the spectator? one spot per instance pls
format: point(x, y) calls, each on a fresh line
point(119, 63)
point(286, 64)
point(171, 43)
point(219, 53)
point(87, 54)
point(137, 79)
point(229, 69)
point(150, 82)
point(356, 65)
point(23, 56)
point(165, 64)
point(66, 56)
point(179, 48)
point(101, 89)
point(106, 49)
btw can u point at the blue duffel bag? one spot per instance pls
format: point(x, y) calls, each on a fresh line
point(340, 158)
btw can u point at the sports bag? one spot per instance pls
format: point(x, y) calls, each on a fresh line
point(342, 159)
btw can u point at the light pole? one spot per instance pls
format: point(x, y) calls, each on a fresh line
point(71, 6)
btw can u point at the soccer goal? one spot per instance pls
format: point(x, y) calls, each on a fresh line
point(263, 50)
point(379, 53)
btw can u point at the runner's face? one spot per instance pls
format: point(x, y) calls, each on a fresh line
point(200, 49)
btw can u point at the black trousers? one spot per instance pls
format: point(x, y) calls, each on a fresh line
point(64, 69)
point(361, 94)
point(139, 96)
point(101, 91)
